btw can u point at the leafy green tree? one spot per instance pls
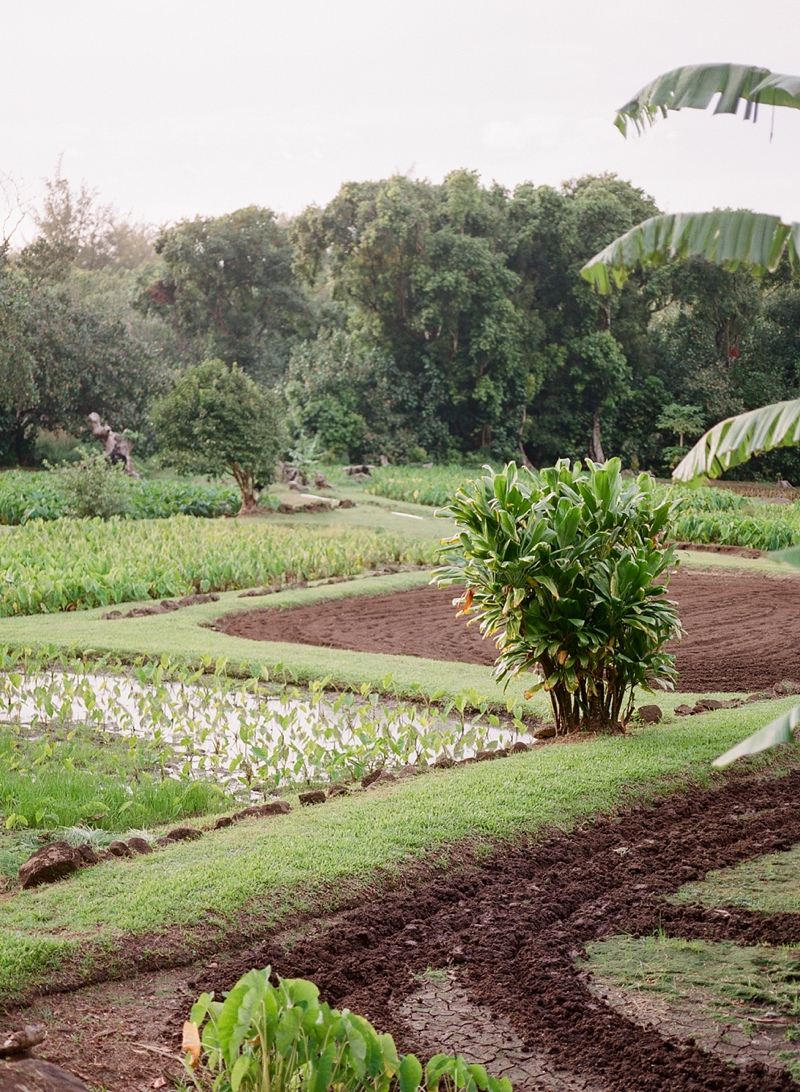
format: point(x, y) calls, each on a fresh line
point(423, 269)
point(217, 420)
point(587, 355)
point(228, 286)
point(94, 235)
point(561, 568)
point(61, 360)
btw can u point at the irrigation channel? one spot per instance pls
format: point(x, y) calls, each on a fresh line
point(242, 737)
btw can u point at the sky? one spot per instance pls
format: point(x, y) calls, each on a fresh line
point(178, 108)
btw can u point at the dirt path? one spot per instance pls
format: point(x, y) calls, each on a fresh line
point(488, 956)
point(742, 629)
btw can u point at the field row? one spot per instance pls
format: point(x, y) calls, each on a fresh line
point(706, 516)
point(70, 564)
point(26, 496)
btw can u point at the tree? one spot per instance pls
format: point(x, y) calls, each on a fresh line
point(228, 286)
point(94, 235)
point(424, 273)
point(729, 238)
point(217, 420)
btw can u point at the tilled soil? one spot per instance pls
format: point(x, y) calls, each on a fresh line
point(505, 938)
point(742, 629)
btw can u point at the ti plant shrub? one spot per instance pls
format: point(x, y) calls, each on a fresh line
point(281, 1038)
point(560, 566)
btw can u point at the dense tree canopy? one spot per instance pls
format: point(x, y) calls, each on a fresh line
point(405, 318)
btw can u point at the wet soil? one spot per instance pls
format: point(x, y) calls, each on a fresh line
point(504, 938)
point(742, 629)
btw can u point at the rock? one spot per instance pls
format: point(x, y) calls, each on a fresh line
point(88, 855)
point(112, 614)
point(119, 849)
point(383, 777)
point(50, 863)
point(485, 756)
point(193, 600)
point(183, 834)
point(707, 705)
point(260, 811)
point(34, 1075)
point(547, 731)
point(169, 604)
point(650, 714)
point(444, 762)
point(347, 503)
point(225, 821)
point(361, 471)
point(139, 845)
point(104, 855)
point(519, 747)
point(338, 790)
point(683, 711)
point(369, 778)
point(316, 796)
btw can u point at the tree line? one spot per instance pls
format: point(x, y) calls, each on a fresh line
point(415, 320)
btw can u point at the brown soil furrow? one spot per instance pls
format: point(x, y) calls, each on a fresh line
point(739, 628)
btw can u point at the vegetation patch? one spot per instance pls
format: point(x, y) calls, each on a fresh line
point(768, 884)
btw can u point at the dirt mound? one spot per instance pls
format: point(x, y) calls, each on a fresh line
point(742, 629)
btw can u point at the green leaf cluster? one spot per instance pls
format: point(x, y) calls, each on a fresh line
point(562, 568)
point(275, 1038)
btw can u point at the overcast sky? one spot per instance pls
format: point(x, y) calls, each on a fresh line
point(173, 108)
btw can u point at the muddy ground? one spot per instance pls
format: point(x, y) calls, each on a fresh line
point(485, 958)
point(739, 628)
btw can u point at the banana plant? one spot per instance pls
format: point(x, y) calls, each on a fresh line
point(731, 238)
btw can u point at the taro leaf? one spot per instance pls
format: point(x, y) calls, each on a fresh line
point(244, 1066)
point(777, 731)
point(322, 1072)
point(409, 1075)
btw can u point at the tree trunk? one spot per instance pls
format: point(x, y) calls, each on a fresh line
point(596, 447)
point(247, 487)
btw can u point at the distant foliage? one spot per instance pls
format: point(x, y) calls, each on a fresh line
point(28, 496)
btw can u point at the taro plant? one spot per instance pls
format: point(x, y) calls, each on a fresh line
point(561, 568)
point(276, 1038)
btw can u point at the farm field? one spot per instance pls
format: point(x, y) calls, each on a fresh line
point(464, 909)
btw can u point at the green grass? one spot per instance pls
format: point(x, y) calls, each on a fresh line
point(312, 857)
point(768, 884)
point(760, 976)
point(75, 776)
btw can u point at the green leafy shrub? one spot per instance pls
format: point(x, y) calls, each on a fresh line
point(561, 566)
point(265, 1038)
point(95, 488)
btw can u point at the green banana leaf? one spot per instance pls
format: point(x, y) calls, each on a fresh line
point(777, 731)
point(728, 237)
point(735, 439)
point(694, 86)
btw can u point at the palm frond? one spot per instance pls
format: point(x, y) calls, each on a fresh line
point(694, 86)
point(728, 237)
point(735, 439)
point(777, 731)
